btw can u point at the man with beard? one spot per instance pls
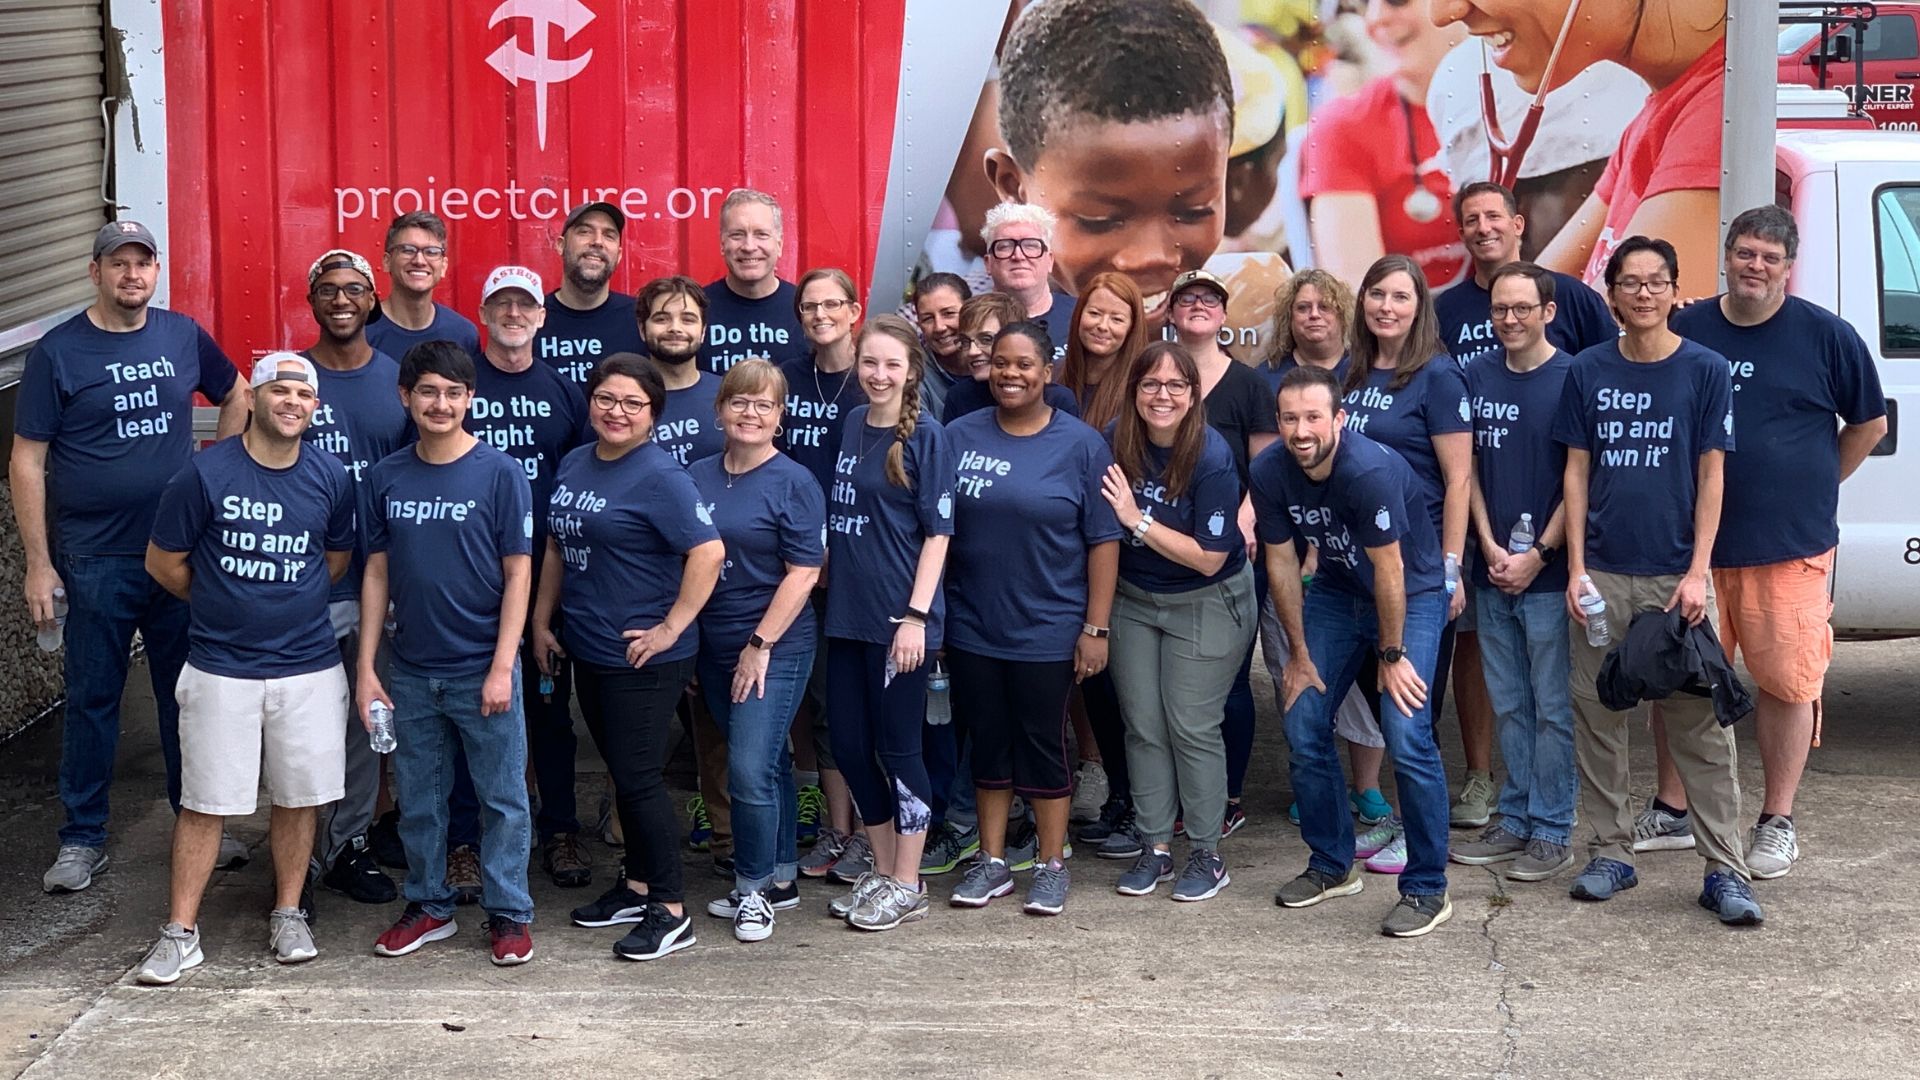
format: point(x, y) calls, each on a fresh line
point(416, 261)
point(586, 320)
point(105, 418)
point(1379, 586)
point(360, 420)
point(530, 411)
point(672, 315)
point(750, 310)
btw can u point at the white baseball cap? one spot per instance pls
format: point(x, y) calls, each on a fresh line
point(512, 277)
point(273, 366)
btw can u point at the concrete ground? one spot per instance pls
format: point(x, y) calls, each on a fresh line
point(1522, 983)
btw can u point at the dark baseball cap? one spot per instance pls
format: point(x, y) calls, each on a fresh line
point(118, 234)
point(607, 208)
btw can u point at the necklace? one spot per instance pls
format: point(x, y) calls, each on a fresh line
point(886, 434)
point(820, 393)
point(732, 476)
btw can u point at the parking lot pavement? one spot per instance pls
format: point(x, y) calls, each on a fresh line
point(1523, 982)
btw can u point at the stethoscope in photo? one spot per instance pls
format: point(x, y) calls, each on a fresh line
point(1505, 156)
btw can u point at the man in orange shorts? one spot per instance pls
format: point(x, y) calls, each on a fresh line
point(1796, 367)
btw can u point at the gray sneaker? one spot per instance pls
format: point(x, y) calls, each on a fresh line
point(1774, 848)
point(826, 851)
point(73, 870)
point(855, 860)
point(233, 854)
point(1415, 916)
point(1474, 808)
point(176, 953)
point(1656, 830)
point(888, 906)
point(1047, 893)
point(1312, 886)
point(1023, 846)
point(289, 936)
point(1149, 870)
point(986, 879)
point(1496, 844)
point(1542, 860)
point(947, 848)
point(843, 905)
point(1205, 875)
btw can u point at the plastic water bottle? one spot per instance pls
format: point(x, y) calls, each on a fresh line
point(1453, 574)
point(546, 677)
point(50, 636)
point(1520, 540)
point(381, 737)
point(1594, 606)
point(939, 702)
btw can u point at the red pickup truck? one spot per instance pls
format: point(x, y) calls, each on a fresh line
point(1887, 45)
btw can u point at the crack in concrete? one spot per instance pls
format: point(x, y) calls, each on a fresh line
point(1510, 1025)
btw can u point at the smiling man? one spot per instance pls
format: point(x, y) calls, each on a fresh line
point(750, 309)
point(586, 320)
point(672, 312)
point(1019, 240)
point(1491, 227)
point(416, 263)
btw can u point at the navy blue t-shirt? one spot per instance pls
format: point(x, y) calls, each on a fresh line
point(688, 430)
point(817, 406)
point(1792, 375)
point(1433, 402)
point(875, 530)
point(1371, 499)
point(1026, 510)
point(534, 416)
point(740, 328)
point(770, 517)
point(445, 529)
point(258, 539)
point(1059, 323)
point(1208, 511)
point(575, 342)
point(1646, 426)
point(360, 421)
point(1521, 467)
point(118, 411)
point(1581, 319)
point(624, 528)
point(1275, 372)
point(448, 325)
point(969, 396)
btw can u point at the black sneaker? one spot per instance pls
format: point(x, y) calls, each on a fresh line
point(723, 867)
point(355, 874)
point(1111, 815)
point(659, 932)
point(1124, 841)
point(383, 840)
point(615, 906)
point(781, 897)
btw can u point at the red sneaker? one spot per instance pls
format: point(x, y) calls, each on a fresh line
point(414, 929)
point(512, 941)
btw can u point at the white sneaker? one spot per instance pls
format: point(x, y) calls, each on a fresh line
point(1773, 849)
point(1090, 791)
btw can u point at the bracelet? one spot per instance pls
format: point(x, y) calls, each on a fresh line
point(1139, 536)
point(1093, 631)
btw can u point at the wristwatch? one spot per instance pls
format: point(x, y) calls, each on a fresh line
point(1393, 654)
point(918, 613)
point(1547, 554)
point(1139, 536)
point(1093, 631)
point(755, 641)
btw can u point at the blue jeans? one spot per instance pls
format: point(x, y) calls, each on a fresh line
point(108, 598)
point(759, 767)
point(551, 745)
point(1525, 651)
point(1342, 629)
point(435, 720)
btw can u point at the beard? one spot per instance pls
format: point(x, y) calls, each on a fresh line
point(673, 355)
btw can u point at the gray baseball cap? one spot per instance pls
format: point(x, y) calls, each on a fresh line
point(118, 234)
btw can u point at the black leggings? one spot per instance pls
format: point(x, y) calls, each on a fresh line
point(875, 728)
point(1109, 734)
point(630, 715)
point(1016, 713)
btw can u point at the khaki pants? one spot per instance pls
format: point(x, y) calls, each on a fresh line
point(710, 760)
point(1702, 750)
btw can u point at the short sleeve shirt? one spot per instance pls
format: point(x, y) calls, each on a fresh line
point(817, 406)
point(575, 341)
point(688, 429)
point(535, 417)
point(448, 325)
point(1580, 319)
point(1433, 402)
point(1520, 466)
point(1208, 510)
point(770, 517)
point(875, 530)
point(360, 421)
point(741, 328)
point(257, 541)
point(1240, 407)
point(1370, 499)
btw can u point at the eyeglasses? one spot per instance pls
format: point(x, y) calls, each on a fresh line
point(451, 395)
point(631, 406)
point(756, 406)
point(1203, 298)
point(408, 251)
point(1655, 287)
point(984, 341)
point(1523, 312)
point(1770, 258)
point(513, 303)
point(1032, 247)
point(1175, 388)
point(330, 291)
point(828, 306)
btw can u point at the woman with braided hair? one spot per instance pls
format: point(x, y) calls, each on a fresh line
point(889, 519)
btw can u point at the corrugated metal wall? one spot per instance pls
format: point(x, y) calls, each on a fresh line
point(287, 118)
point(52, 144)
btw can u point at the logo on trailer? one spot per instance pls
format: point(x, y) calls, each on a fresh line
point(517, 66)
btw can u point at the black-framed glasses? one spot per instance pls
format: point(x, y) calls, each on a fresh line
point(330, 291)
point(631, 406)
point(1655, 287)
point(1031, 246)
point(1522, 312)
point(1174, 388)
point(408, 251)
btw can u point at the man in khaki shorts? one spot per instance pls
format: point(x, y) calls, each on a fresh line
point(1797, 368)
point(251, 534)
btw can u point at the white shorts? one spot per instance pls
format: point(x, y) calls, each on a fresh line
point(228, 725)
